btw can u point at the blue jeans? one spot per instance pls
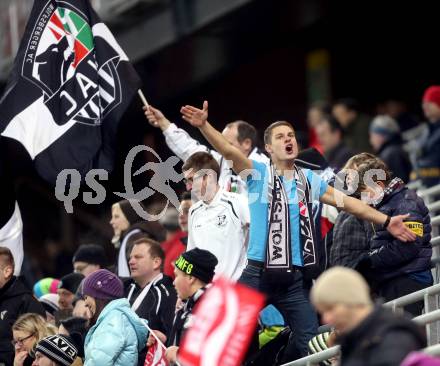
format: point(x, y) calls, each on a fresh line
point(292, 300)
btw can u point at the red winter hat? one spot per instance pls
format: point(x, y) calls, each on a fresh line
point(432, 94)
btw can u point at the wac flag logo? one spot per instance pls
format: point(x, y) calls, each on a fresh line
point(60, 60)
point(70, 85)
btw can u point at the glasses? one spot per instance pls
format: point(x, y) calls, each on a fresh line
point(79, 269)
point(20, 341)
point(190, 180)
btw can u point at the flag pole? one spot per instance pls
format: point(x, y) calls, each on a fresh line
point(155, 336)
point(143, 99)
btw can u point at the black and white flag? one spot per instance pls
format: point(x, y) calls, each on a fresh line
point(70, 85)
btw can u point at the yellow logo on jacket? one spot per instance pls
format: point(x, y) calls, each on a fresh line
point(415, 227)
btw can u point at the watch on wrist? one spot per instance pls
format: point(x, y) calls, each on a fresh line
point(387, 222)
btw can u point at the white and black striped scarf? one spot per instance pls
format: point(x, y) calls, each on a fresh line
point(278, 244)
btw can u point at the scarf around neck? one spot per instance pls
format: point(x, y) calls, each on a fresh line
point(278, 242)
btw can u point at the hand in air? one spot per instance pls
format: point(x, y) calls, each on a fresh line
point(195, 116)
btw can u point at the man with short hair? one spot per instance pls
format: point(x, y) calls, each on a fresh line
point(240, 134)
point(55, 350)
point(219, 221)
point(151, 293)
point(282, 254)
point(355, 124)
point(67, 289)
point(330, 135)
point(15, 300)
point(368, 335)
point(88, 258)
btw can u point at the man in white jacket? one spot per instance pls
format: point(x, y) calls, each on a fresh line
point(219, 221)
point(240, 134)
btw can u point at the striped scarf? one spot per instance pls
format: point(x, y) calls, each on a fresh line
point(278, 244)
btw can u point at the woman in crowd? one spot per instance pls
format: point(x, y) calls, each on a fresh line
point(117, 334)
point(127, 224)
point(27, 331)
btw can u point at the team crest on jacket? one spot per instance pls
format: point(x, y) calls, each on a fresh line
point(60, 60)
point(221, 220)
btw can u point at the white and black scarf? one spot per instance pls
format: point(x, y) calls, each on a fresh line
point(143, 293)
point(278, 244)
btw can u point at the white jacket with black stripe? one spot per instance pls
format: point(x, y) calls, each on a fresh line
point(221, 227)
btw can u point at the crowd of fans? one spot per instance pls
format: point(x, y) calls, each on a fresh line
point(271, 221)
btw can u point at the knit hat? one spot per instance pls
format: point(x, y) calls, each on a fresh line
point(58, 348)
point(45, 286)
point(340, 285)
point(71, 282)
point(49, 302)
point(432, 94)
point(129, 212)
point(198, 263)
point(384, 125)
point(90, 253)
point(103, 285)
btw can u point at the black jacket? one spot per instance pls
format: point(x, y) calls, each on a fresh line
point(396, 158)
point(183, 319)
point(428, 163)
point(15, 299)
point(390, 257)
point(382, 339)
point(158, 306)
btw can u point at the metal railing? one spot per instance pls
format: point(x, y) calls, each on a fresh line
point(415, 184)
point(433, 350)
point(412, 298)
point(434, 207)
point(435, 221)
point(428, 194)
point(427, 295)
point(430, 295)
point(334, 352)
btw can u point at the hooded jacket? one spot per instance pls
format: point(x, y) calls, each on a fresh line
point(15, 299)
point(117, 337)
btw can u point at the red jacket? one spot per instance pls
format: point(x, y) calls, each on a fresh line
point(173, 247)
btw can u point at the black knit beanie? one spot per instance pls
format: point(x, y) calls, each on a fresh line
point(71, 281)
point(91, 254)
point(199, 263)
point(58, 348)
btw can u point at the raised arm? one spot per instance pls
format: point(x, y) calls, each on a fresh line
point(178, 140)
point(396, 227)
point(199, 118)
